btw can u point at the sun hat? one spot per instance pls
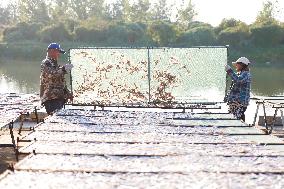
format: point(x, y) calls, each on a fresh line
point(243, 60)
point(55, 46)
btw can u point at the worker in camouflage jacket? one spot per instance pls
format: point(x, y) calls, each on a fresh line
point(53, 90)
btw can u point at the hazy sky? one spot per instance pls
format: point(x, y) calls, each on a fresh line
point(213, 11)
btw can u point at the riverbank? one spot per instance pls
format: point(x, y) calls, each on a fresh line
point(30, 50)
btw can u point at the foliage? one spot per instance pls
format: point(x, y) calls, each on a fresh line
point(90, 35)
point(198, 36)
point(236, 36)
point(135, 23)
point(197, 24)
point(88, 8)
point(228, 23)
point(33, 10)
point(127, 34)
point(260, 33)
point(22, 31)
point(266, 15)
point(59, 10)
point(162, 33)
point(53, 33)
point(160, 11)
point(140, 11)
point(186, 15)
point(5, 16)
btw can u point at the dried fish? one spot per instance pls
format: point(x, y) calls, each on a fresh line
point(121, 75)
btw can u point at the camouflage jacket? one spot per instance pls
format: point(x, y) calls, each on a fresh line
point(52, 81)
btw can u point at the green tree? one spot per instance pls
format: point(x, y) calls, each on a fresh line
point(266, 15)
point(88, 8)
point(33, 11)
point(4, 16)
point(235, 36)
point(162, 33)
point(161, 11)
point(21, 32)
point(140, 11)
point(197, 24)
point(114, 10)
point(97, 8)
point(186, 14)
point(80, 8)
point(120, 10)
point(13, 10)
point(61, 10)
point(57, 32)
point(197, 36)
point(228, 23)
point(267, 35)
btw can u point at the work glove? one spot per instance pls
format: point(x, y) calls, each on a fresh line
point(227, 67)
point(68, 67)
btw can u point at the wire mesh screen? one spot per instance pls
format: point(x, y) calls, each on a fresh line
point(107, 76)
point(188, 74)
point(142, 75)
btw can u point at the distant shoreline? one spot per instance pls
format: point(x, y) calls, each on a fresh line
point(30, 50)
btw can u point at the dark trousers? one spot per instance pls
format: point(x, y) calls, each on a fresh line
point(243, 116)
point(238, 110)
point(52, 105)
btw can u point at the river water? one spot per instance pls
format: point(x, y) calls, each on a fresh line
point(23, 77)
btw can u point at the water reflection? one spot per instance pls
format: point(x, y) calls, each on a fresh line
point(19, 76)
point(23, 77)
point(268, 81)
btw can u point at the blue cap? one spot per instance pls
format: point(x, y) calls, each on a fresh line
point(55, 46)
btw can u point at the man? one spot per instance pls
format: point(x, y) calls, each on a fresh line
point(53, 90)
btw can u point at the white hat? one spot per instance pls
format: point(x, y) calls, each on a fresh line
point(243, 60)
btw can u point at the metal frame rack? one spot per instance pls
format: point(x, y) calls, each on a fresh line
point(151, 104)
point(103, 143)
point(276, 103)
point(20, 112)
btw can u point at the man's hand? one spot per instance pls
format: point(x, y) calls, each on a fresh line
point(227, 67)
point(71, 97)
point(68, 67)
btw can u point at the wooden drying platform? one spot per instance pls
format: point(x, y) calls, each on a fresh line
point(105, 149)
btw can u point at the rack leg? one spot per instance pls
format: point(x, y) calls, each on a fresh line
point(282, 118)
point(274, 120)
point(256, 113)
point(21, 123)
point(265, 120)
point(37, 120)
point(11, 126)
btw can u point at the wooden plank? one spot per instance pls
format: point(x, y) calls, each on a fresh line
point(241, 130)
point(149, 137)
point(262, 139)
point(133, 121)
point(158, 149)
point(64, 127)
point(186, 116)
point(77, 180)
point(152, 164)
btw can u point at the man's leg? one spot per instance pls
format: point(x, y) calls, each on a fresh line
point(243, 116)
point(238, 110)
point(52, 105)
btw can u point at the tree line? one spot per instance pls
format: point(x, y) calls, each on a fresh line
point(138, 23)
